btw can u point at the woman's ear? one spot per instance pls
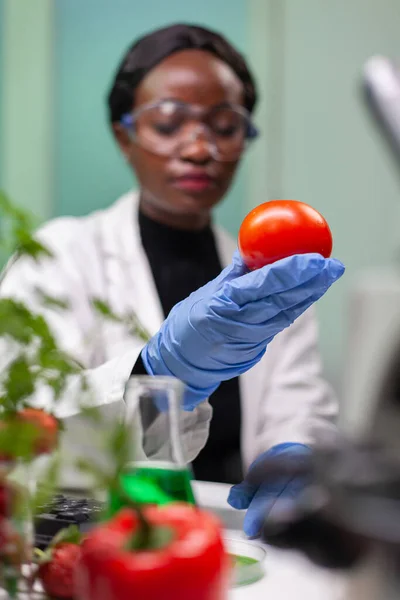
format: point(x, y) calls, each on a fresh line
point(122, 137)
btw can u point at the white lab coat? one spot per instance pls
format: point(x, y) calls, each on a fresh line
point(284, 398)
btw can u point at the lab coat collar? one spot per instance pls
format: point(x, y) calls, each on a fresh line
point(130, 280)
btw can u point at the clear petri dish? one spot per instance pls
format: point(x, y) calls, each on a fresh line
point(248, 561)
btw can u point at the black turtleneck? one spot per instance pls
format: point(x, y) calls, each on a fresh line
point(182, 261)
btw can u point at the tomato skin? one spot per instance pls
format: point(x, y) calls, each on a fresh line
point(281, 228)
point(193, 566)
point(47, 428)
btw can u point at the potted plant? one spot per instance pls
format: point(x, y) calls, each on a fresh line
point(164, 552)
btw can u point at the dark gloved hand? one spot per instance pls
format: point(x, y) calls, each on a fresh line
point(260, 498)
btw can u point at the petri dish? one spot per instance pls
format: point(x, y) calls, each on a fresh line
point(248, 561)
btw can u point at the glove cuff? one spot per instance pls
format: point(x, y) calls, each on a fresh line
point(155, 365)
point(275, 450)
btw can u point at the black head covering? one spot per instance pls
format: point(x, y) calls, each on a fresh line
point(150, 50)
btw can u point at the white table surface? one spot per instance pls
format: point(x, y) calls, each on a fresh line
point(289, 575)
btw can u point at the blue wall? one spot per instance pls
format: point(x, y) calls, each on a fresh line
point(91, 37)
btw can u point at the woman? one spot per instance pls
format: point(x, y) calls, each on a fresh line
point(180, 109)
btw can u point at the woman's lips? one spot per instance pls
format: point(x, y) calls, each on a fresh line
point(194, 183)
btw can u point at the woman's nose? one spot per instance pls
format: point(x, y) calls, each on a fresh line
point(196, 147)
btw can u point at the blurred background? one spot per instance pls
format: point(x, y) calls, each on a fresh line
point(57, 156)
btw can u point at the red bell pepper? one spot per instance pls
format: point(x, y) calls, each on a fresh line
point(191, 565)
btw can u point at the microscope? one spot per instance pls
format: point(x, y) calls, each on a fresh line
point(348, 516)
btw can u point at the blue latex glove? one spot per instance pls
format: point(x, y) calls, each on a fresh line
point(222, 330)
point(259, 500)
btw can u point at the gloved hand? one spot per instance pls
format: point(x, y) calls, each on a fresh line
point(260, 499)
point(222, 329)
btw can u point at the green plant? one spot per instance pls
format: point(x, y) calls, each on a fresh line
point(30, 359)
point(30, 355)
point(34, 358)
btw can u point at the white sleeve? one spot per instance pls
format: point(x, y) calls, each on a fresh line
point(298, 404)
point(61, 277)
point(73, 328)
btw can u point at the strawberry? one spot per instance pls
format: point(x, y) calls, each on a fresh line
point(47, 428)
point(7, 460)
point(12, 496)
point(6, 499)
point(57, 565)
point(57, 576)
point(12, 546)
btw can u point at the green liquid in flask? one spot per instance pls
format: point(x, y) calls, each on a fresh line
point(153, 483)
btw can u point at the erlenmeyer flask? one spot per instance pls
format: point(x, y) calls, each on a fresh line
point(159, 472)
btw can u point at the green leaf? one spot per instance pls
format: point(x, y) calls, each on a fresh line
point(29, 246)
point(13, 212)
point(16, 233)
point(130, 321)
point(15, 321)
point(58, 384)
point(51, 301)
point(22, 325)
point(47, 486)
point(39, 556)
point(102, 480)
point(104, 310)
point(70, 535)
point(17, 439)
point(120, 445)
point(20, 382)
point(53, 359)
point(55, 368)
point(41, 329)
point(136, 328)
point(91, 413)
point(158, 537)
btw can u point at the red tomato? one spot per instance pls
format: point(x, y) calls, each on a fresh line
point(47, 428)
point(281, 228)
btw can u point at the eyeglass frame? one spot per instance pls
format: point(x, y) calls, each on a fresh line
point(129, 120)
